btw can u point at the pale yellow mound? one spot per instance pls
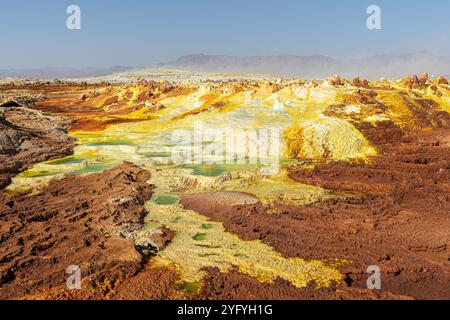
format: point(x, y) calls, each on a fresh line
point(327, 138)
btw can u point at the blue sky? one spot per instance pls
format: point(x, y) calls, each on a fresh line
point(141, 32)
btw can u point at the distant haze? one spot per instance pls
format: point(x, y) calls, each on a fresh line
point(317, 66)
point(57, 72)
point(305, 67)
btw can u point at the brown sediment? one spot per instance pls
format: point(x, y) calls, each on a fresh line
point(399, 221)
point(28, 136)
point(93, 222)
point(406, 195)
point(120, 283)
point(98, 125)
point(233, 285)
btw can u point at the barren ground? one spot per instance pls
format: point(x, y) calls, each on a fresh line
point(87, 181)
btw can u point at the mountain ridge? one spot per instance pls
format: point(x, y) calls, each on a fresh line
point(317, 66)
point(314, 66)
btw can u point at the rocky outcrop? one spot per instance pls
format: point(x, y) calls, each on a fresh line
point(336, 81)
point(28, 136)
point(441, 80)
point(357, 82)
point(85, 221)
point(415, 82)
point(26, 100)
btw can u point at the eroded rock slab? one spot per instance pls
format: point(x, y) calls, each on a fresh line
point(77, 220)
point(28, 136)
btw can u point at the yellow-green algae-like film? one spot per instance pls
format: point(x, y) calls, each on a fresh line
point(200, 243)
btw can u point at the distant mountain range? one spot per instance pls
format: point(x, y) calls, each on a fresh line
point(317, 66)
point(56, 72)
point(305, 67)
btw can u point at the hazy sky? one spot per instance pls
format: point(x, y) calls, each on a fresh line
point(141, 32)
